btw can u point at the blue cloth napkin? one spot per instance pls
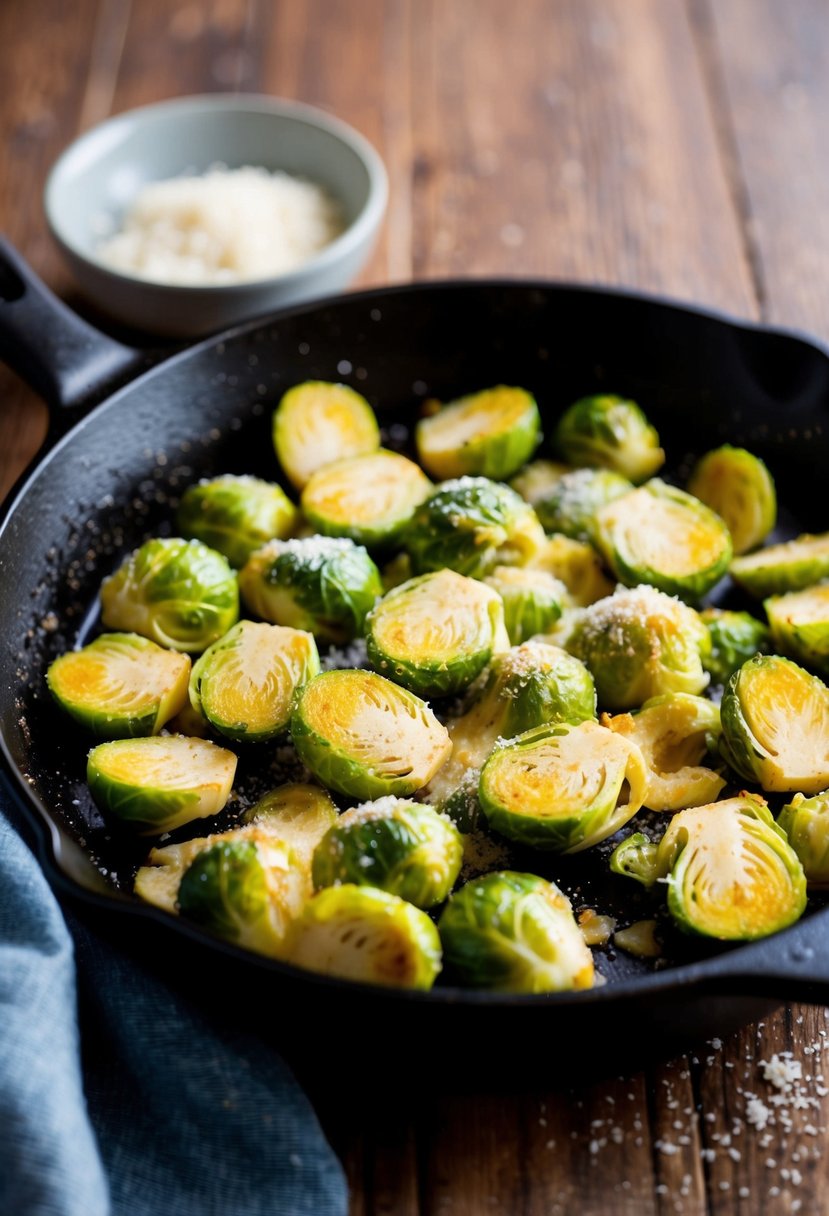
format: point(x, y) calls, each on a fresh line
point(166, 1115)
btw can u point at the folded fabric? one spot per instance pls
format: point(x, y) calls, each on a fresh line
point(169, 1115)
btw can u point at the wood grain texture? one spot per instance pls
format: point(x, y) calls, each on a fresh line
point(770, 62)
point(675, 145)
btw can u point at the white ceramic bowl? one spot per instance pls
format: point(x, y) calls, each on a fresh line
point(102, 171)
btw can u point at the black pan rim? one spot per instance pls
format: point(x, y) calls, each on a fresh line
point(713, 973)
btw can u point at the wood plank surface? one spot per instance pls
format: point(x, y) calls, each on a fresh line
point(680, 146)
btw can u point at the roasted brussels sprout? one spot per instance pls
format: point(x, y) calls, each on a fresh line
point(511, 932)
point(370, 499)
point(533, 600)
point(674, 733)
point(436, 633)
point(570, 506)
point(360, 933)
point(321, 584)
point(490, 434)
point(799, 625)
point(562, 787)
point(788, 567)
point(317, 423)
point(731, 873)
point(609, 432)
point(775, 721)
point(176, 592)
point(735, 637)
point(806, 824)
point(635, 857)
point(364, 736)
point(526, 686)
point(245, 683)
point(121, 685)
point(247, 889)
point(577, 565)
point(663, 536)
point(739, 487)
point(399, 846)
point(235, 515)
point(297, 814)
point(538, 479)
point(640, 644)
point(157, 881)
point(472, 525)
point(162, 782)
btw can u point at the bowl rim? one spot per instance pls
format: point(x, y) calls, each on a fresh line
point(360, 229)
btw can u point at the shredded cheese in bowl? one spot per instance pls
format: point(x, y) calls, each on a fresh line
point(224, 226)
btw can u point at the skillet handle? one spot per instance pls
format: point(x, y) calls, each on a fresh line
point(65, 360)
point(790, 966)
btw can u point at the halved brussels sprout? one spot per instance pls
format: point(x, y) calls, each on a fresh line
point(176, 592)
point(674, 733)
point(577, 565)
point(399, 846)
point(739, 487)
point(635, 857)
point(511, 932)
point(369, 498)
point(806, 824)
point(731, 873)
point(321, 584)
point(609, 432)
point(775, 721)
point(245, 684)
point(663, 536)
point(788, 567)
point(562, 787)
point(297, 814)
point(533, 600)
point(247, 889)
point(317, 423)
point(538, 479)
point(527, 686)
point(364, 736)
point(491, 434)
point(639, 644)
point(472, 525)
point(359, 933)
point(235, 515)
point(436, 633)
point(121, 685)
point(570, 506)
point(799, 625)
point(735, 637)
point(162, 782)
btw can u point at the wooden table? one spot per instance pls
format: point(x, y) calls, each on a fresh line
point(681, 147)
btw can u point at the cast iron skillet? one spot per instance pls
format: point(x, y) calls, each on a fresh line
point(111, 475)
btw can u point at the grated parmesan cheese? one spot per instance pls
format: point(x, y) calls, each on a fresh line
point(225, 226)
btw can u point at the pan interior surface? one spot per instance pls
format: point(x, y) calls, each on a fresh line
point(116, 479)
